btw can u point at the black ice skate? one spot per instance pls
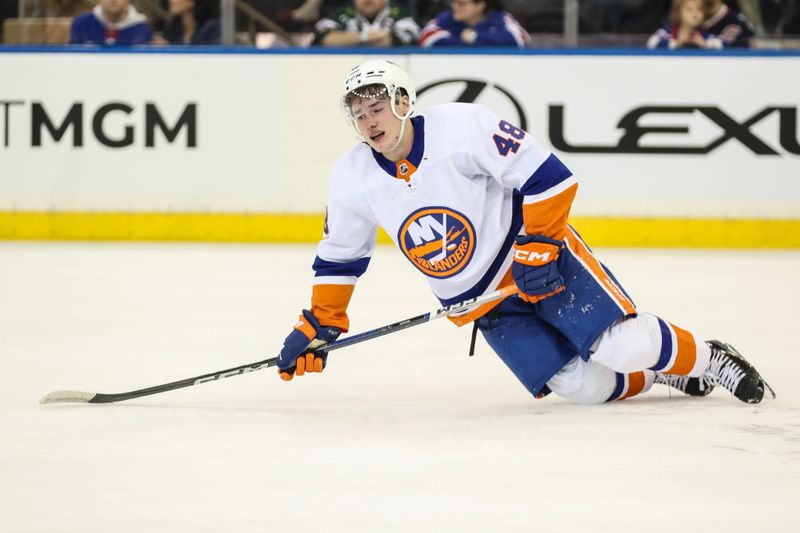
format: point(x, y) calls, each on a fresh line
point(701, 386)
point(732, 371)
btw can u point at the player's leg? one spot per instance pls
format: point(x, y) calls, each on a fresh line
point(679, 359)
point(596, 315)
point(589, 382)
point(544, 360)
point(646, 341)
point(532, 349)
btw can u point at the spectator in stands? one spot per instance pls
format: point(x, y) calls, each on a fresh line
point(685, 28)
point(111, 22)
point(731, 27)
point(308, 13)
point(475, 23)
point(367, 23)
point(193, 22)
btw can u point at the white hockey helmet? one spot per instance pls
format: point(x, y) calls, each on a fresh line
point(378, 72)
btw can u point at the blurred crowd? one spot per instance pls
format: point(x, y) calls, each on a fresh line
point(671, 24)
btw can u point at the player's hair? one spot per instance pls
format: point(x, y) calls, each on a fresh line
point(675, 11)
point(374, 91)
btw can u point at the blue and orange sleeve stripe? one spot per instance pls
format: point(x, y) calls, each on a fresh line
point(334, 283)
point(548, 196)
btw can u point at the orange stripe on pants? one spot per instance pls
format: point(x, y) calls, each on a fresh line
point(687, 352)
point(635, 384)
point(599, 272)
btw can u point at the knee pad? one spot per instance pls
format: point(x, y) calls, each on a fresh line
point(584, 382)
point(630, 344)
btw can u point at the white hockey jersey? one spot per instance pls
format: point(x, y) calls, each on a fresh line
point(470, 185)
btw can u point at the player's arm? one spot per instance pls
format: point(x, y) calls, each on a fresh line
point(548, 189)
point(343, 256)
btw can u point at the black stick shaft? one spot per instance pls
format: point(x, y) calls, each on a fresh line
point(66, 396)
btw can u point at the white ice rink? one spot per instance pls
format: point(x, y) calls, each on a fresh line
point(403, 433)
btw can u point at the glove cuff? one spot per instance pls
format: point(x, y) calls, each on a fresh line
point(307, 325)
point(536, 250)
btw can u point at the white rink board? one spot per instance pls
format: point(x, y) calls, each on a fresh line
point(268, 129)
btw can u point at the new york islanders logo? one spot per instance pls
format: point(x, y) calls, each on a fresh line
point(437, 240)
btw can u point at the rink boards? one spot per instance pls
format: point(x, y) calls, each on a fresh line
point(223, 145)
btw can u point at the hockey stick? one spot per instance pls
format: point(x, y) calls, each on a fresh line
point(68, 396)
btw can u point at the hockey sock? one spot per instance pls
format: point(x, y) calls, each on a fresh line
point(629, 385)
point(681, 352)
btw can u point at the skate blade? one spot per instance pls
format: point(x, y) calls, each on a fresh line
point(766, 386)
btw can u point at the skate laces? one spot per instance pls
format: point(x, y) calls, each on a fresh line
point(682, 382)
point(724, 370)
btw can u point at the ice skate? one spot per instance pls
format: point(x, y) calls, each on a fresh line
point(701, 386)
point(731, 370)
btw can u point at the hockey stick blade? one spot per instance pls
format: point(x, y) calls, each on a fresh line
point(68, 396)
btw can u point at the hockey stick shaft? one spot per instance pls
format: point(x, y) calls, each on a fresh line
point(89, 397)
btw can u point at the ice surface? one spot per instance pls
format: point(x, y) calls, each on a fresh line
point(403, 433)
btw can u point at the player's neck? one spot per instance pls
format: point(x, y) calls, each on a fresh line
point(404, 146)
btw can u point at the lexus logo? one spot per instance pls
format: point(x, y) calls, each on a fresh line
point(473, 90)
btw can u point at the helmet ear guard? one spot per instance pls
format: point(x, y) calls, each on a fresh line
point(378, 72)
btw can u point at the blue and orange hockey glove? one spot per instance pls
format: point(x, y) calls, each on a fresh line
point(298, 355)
point(535, 268)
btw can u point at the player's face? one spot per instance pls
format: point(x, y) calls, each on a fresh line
point(376, 122)
point(468, 11)
point(370, 8)
point(692, 13)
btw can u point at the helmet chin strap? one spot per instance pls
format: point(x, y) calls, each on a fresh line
point(403, 121)
point(399, 137)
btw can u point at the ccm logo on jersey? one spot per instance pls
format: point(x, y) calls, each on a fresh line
point(438, 241)
point(533, 257)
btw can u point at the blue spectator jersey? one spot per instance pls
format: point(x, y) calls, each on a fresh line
point(731, 27)
point(499, 28)
point(93, 28)
point(665, 38)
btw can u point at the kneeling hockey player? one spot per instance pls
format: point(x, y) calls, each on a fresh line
point(475, 204)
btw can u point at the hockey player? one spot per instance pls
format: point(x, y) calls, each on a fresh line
point(475, 204)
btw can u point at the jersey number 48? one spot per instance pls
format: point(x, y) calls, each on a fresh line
point(508, 144)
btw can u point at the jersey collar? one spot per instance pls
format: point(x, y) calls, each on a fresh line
point(404, 168)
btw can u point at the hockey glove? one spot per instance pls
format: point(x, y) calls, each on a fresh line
point(535, 267)
point(298, 355)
